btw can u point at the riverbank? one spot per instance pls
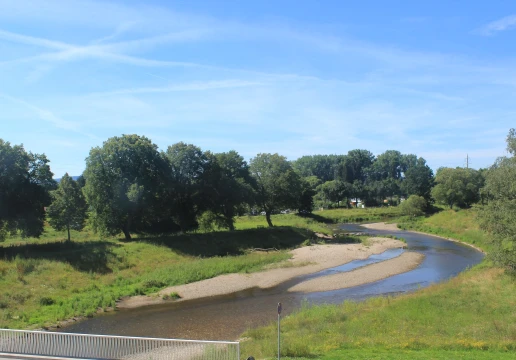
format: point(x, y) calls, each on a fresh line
point(305, 260)
point(470, 316)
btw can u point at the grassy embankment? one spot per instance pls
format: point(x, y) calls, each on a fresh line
point(470, 317)
point(46, 280)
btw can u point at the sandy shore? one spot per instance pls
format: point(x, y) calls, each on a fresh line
point(371, 273)
point(318, 257)
point(381, 226)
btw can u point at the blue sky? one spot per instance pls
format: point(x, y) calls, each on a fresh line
point(293, 77)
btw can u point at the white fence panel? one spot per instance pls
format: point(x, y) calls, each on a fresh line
point(85, 346)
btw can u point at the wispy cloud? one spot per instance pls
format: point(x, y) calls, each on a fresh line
point(48, 116)
point(194, 86)
point(73, 52)
point(505, 23)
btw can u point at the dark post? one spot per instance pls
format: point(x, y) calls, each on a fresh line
point(279, 339)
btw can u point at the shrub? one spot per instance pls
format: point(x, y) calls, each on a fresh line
point(414, 206)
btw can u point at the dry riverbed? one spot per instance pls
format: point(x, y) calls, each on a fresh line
point(305, 260)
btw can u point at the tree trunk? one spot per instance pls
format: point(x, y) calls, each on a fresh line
point(68, 228)
point(125, 230)
point(126, 233)
point(268, 217)
point(231, 224)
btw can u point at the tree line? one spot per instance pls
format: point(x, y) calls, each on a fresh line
point(129, 186)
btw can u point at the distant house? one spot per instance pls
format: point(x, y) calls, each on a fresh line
point(356, 203)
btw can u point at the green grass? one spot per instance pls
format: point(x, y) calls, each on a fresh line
point(459, 225)
point(320, 221)
point(47, 280)
point(474, 311)
point(427, 354)
point(471, 316)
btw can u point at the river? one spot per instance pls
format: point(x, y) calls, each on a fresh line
point(226, 317)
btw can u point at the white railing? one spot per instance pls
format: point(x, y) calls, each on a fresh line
point(85, 346)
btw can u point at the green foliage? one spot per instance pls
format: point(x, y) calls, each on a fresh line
point(68, 208)
point(324, 167)
point(278, 185)
point(498, 217)
point(124, 181)
point(414, 206)
point(25, 182)
point(419, 180)
point(229, 187)
point(189, 167)
point(457, 186)
point(334, 192)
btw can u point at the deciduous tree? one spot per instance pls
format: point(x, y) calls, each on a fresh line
point(68, 208)
point(124, 183)
point(457, 186)
point(278, 185)
point(25, 182)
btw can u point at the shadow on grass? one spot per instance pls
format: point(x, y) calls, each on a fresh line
point(222, 243)
point(83, 256)
point(316, 217)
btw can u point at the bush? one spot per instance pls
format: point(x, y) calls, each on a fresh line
point(414, 206)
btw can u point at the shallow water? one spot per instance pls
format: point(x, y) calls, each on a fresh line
point(226, 317)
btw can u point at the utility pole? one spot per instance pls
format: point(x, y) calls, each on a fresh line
point(279, 332)
point(467, 161)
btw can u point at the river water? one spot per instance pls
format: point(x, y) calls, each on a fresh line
point(226, 317)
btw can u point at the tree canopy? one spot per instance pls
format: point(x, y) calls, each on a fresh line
point(459, 186)
point(498, 217)
point(228, 187)
point(124, 183)
point(68, 208)
point(25, 182)
point(278, 185)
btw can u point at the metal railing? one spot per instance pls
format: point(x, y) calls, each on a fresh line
point(85, 346)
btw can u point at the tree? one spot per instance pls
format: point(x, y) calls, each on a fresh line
point(414, 206)
point(278, 185)
point(188, 166)
point(68, 208)
point(457, 186)
point(306, 199)
point(228, 186)
point(334, 191)
point(25, 182)
point(324, 167)
point(125, 179)
point(498, 217)
point(419, 180)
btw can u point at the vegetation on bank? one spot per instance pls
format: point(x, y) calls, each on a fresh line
point(470, 316)
point(321, 221)
point(48, 280)
point(459, 225)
